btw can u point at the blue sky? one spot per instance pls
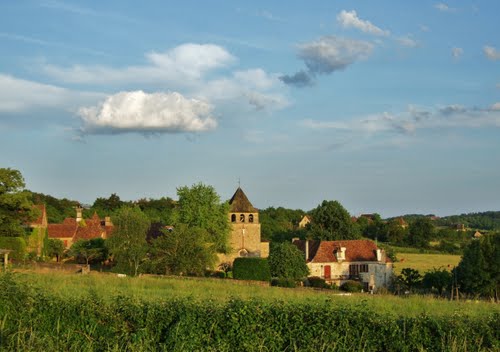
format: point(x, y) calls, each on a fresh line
point(390, 107)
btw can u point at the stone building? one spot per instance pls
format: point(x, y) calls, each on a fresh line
point(339, 261)
point(244, 239)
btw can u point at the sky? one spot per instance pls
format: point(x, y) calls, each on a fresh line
point(389, 107)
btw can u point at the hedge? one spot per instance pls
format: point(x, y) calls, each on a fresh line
point(251, 269)
point(35, 320)
point(17, 244)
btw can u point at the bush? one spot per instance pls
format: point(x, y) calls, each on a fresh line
point(17, 244)
point(317, 282)
point(283, 282)
point(352, 286)
point(251, 269)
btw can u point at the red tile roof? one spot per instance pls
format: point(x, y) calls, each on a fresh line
point(61, 230)
point(324, 251)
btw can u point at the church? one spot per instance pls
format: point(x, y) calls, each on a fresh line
point(244, 239)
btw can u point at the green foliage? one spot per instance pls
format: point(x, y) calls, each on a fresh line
point(107, 206)
point(279, 224)
point(287, 261)
point(57, 209)
point(34, 320)
point(317, 282)
point(200, 206)
point(421, 231)
point(352, 286)
point(16, 208)
point(283, 282)
point(331, 221)
point(489, 220)
point(437, 279)
point(127, 243)
point(158, 210)
point(17, 244)
point(54, 248)
point(251, 269)
point(478, 272)
point(183, 251)
point(93, 250)
point(409, 278)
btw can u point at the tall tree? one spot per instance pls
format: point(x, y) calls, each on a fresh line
point(185, 250)
point(420, 232)
point(128, 243)
point(200, 206)
point(16, 208)
point(90, 250)
point(287, 261)
point(331, 221)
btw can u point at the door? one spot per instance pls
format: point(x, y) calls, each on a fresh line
point(328, 272)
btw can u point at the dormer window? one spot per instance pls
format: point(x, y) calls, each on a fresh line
point(242, 217)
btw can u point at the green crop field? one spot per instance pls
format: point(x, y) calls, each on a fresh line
point(425, 262)
point(103, 312)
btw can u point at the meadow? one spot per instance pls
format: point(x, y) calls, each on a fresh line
point(103, 312)
point(424, 262)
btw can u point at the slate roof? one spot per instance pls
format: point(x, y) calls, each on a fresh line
point(239, 203)
point(324, 251)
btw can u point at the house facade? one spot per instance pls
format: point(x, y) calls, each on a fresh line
point(245, 236)
point(340, 261)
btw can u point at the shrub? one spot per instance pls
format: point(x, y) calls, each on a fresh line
point(283, 282)
point(251, 269)
point(352, 286)
point(317, 282)
point(17, 244)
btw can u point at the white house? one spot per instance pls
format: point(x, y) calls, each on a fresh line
point(339, 261)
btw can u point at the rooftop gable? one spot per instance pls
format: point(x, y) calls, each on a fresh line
point(239, 203)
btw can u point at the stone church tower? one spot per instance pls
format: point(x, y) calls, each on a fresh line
point(244, 238)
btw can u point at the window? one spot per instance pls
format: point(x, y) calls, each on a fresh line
point(250, 218)
point(353, 270)
point(233, 218)
point(242, 217)
point(363, 268)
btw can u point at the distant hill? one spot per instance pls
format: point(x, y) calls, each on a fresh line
point(488, 220)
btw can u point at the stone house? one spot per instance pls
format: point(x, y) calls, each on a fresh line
point(306, 219)
point(339, 261)
point(245, 236)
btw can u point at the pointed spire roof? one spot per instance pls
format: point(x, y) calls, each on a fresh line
point(239, 203)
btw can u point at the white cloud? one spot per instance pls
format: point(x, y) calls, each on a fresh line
point(407, 41)
point(331, 53)
point(409, 122)
point(257, 78)
point(349, 19)
point(147, 113)
point(443, 7)
point(424, 28)
point(457, 52)
point(183, 63)
point(491, 53)
point(19, 95)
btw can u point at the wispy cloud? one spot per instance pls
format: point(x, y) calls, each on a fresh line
point(350, 19)
point(144, 113)
point(444, 7)
point(407, 41)
point(327, 55)
point(19, 96)
point(269, 16)
point(414, 119)
point(491, 53)
point(457, 52)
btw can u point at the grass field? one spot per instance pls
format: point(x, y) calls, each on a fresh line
point(425, 262)
point(109, 286)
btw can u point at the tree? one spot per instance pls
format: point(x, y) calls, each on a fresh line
point(438, 279)
point(330, 221)
point(55, 248)
point(200, 207)
point(127, 243)
point(409, 278)
point(16, 208)
point(395, 233)
point(478, 272)
point(90, 250)
point(420, 232)
point(287, 261)
point(107, 206)
point(185, 250)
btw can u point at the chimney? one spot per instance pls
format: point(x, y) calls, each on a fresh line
point(379, 255)
point(107, 221)
point(79, 216)
point(340, 254)
point(307, 250)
